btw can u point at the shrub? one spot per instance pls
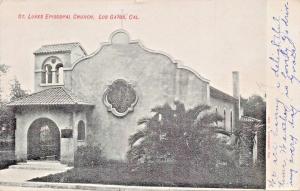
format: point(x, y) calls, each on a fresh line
point(88, 156)
point(6, 163)
point(6, 159)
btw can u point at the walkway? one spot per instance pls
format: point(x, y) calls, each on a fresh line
point(31, 169)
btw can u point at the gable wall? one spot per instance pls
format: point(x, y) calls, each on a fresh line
point(156, 80)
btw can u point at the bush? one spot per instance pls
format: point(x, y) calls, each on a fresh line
point(6, 145)
point(88, 156)
point(6, 163)
point(7, 158)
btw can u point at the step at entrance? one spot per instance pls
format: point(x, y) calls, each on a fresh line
point(41, 165)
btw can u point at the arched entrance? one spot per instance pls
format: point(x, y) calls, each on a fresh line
point(43, 140)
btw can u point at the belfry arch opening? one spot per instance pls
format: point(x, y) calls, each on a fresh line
point(52, 71)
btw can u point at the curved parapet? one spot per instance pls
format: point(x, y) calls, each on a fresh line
point(121, 36)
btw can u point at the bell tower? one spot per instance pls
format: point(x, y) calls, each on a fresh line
point(54, 63)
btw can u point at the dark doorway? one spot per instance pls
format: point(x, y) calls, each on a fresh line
point(43, 140)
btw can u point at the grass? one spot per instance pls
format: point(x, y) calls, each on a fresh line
point(118, 173)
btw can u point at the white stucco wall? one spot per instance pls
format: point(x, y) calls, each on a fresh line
point(62, 118)
point(221, 105)
point(155, 77)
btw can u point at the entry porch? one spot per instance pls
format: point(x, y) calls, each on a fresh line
point(50, 124)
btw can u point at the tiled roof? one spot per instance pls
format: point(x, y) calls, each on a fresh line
point(55, 48)
point(215, 93)
point(51, 96)
point(256, 123)
point(249, 119)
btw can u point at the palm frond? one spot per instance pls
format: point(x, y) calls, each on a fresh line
point(135, 153)
point(193, 113)
point(162, 109)
point(210, 118)
point(135, 137)
point(180, 108)
point(144, 120)
point(157, 109)
point(222, 131)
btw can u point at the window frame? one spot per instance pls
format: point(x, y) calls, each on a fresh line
point(57, 77)
point(83, 137)
point(225, 113)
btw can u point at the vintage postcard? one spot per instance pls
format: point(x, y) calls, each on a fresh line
point(149, 95)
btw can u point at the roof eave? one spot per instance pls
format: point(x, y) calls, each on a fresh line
point(218, 94)
point(51, 52)
point(54, 105)
point(83, 50)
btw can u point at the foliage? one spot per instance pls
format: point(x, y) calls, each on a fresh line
point(16, 91)
point(7, 119)
point(186, 137)
point(7, 127)
point(255, 106)
point(118, 174)
point(3, 68)
point(7, 158)
point(88, 156)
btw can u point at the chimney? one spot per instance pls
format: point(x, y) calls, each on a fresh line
point(236, 84)
point(236, 93)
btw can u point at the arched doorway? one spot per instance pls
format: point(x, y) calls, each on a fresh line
point(43, 140)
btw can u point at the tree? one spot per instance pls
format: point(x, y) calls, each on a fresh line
point(7, 119)
point(16, 91)
point(186, 137)
point(3, 70)
point(255, 106)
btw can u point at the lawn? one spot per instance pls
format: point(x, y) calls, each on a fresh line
point(119, 174)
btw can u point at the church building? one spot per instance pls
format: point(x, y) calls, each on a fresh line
point(98, 98)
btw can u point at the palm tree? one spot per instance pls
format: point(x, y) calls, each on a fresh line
point(242, 140)
point(178, 135)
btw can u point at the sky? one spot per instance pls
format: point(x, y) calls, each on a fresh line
point(212, 37)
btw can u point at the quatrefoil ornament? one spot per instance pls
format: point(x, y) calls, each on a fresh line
point(120, 98)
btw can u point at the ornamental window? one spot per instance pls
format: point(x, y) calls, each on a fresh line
point(81, 131)
point(231, 121)
point(224, 118)
point(52, 72)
